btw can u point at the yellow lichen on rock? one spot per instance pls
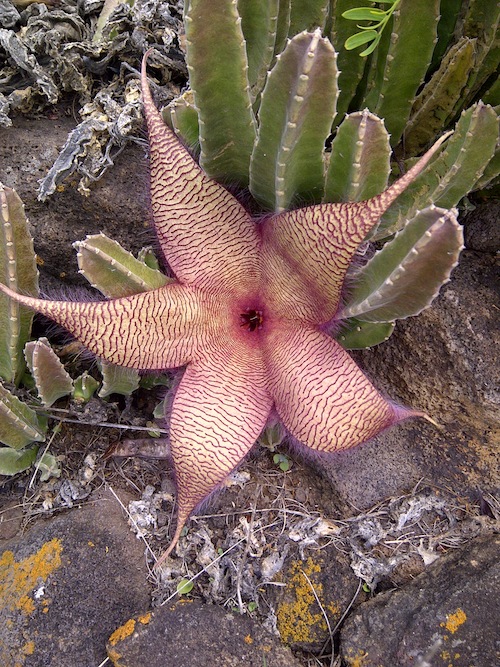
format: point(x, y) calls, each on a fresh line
point(454, 621)
point(297, 618)
point(19, 579)
point(357, 659)
point(122, 632)
point(18, 582)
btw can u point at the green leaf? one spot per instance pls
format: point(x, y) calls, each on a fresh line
point(307, 15)
point(490, 173)
point(437, 100)
point(51, 379)
point(272, 436)
point(113, 270)
point(296, 112)
point(350, 65)
point(360, 38)
point(184, 586)
point(48, 466)
point(217, 65)
point(18, 271)
point(358, 335)
point(482, 20)
point(182, 118)
point(492, 95)
point(282, 26)
point(13, 462)
point(449, 14)
point(360, 159)
point(148, 257)
point(19, 424)
point(364, 14)
point(282, 461)
point(84, 388)
point(405, 276)
point(452, 173)
point(259, 23)
point(117, 379)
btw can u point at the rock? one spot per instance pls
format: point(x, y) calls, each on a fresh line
point(67, 583)
point(447, 616)
point(482, 231)
point(118, 205)
point(190, 634)
point(300, 620)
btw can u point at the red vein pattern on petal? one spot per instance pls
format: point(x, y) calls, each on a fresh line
point(306, 254)
point(320, 394)
point(206, 235)
point(219, 411)
point(153, 330)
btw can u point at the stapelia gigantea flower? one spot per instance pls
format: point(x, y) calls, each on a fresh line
point(246, 316)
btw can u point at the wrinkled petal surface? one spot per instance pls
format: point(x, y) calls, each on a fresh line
point(207, 237)
point(220, 408)
point(306, 252)
point(152, 330)
point(320, 394)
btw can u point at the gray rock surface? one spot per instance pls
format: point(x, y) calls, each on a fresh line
point(189, 634)
point(447, 616)
point(118, 205)
point(482, 231)
point(67, 583)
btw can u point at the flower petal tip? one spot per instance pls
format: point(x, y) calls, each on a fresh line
point(402, 412)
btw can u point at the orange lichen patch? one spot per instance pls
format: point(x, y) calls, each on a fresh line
point(454, 621)
point(298, 618)
point(145, 618)
point(29, 648)
point(358, 659)
point(115, 657)
point(18, 579)
point(122, 632)
point(334, 609)
point(447, 657)
point(248, 640)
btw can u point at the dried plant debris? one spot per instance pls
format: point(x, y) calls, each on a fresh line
point(235, 559)
point(48, 51)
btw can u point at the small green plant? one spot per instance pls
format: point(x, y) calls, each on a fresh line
point(372, 33)
point(185, 586)
point(282, 461)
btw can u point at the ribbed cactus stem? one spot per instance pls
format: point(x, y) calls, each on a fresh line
point(18, 271)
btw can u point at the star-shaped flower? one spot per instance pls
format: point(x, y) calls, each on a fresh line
point(247, 315)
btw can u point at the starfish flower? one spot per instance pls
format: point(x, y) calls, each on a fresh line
point(247, 315)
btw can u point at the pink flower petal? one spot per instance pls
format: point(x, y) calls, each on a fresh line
point(152, 330)
point(320, 394)
point(206, 235)
point(306, 252)
point(219, 410)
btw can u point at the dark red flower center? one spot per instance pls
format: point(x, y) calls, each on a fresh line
point(252, 319)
